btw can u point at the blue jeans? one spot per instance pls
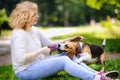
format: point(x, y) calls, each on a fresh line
point(54, 64)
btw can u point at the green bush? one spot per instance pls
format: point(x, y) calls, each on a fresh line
point(106, 24)
point(3, 18)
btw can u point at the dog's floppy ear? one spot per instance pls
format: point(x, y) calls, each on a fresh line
point(70, 47)
point(76, 46)
point(71, 51)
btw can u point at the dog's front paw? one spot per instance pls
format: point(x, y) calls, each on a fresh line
point(77, 61)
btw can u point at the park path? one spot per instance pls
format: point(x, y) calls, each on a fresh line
point(5, 56)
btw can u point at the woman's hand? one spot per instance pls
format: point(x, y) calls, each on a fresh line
point(46, 50)
point(77, 38)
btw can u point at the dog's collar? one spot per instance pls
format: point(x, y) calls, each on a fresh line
point(79, 48)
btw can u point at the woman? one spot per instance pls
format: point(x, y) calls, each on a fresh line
point(28, 55)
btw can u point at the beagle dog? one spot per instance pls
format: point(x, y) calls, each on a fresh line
point(88, 53)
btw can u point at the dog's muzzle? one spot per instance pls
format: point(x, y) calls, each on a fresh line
point(61, 47)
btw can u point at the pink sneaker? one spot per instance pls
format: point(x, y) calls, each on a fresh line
point(112, 74)
point(107, 76)
point(103, 76)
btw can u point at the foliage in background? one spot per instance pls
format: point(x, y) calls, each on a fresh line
point(69, 12)
point(110, 23)
point(100, 4)
point(3, 18)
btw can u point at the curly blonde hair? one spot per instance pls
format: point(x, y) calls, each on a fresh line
point(22, 14)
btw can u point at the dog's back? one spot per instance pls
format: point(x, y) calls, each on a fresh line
point(95, 50)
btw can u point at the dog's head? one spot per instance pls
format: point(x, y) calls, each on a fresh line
point(69, 47)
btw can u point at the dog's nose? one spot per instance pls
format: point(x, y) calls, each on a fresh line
point(58, 45)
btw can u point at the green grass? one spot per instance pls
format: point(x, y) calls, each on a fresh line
point(6, 72)
point(5, 33)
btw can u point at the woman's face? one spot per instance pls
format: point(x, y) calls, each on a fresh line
point(34, 18)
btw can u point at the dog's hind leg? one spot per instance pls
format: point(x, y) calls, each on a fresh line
point(102, 60)
point(83, 57)
point(103, 67)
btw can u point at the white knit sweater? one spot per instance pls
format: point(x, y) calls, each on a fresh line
point(23, 42)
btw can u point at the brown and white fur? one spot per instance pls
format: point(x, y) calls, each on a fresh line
point(88, 53)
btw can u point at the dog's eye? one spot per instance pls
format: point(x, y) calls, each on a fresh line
point(66, 46)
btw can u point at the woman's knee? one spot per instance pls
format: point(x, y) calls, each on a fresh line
point(65, 58)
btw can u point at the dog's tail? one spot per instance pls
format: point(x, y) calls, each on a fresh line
point(104, 43)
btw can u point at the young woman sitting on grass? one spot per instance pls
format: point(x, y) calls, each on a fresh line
point(28, 55)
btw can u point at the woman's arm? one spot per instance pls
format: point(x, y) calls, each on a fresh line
point(75, 38)
point(54, 45)
point(32, 55)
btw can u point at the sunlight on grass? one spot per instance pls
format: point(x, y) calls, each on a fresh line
point(6, 33)
point(96, 31)
point(100, 32)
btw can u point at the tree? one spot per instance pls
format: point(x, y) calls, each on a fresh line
point(98, 4)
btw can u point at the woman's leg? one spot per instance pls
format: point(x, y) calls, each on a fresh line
point(74, 59)
point(84, 65)
point(53, 65)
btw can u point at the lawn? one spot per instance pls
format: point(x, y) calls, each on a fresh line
point(6, 72)
point(93, 35)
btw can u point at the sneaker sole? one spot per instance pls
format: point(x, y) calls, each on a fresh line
point(112, 74)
